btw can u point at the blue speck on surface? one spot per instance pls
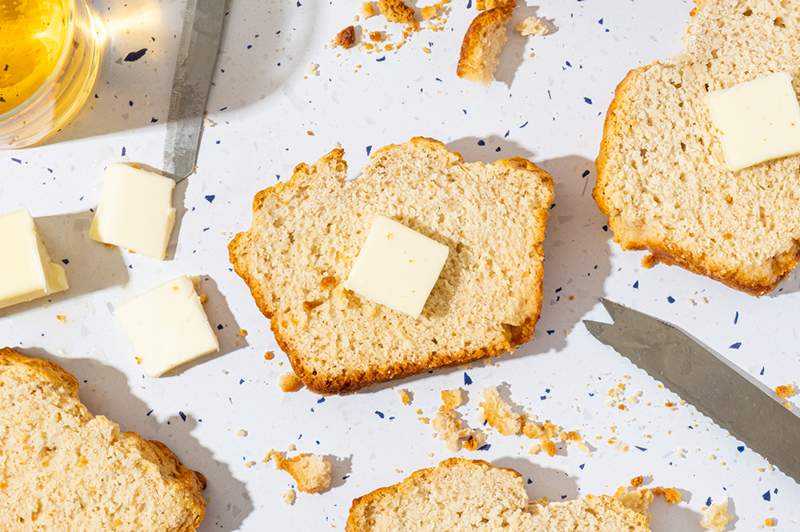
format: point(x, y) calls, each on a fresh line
point(123, 151)
point(581, 466)
point(587, 100)
point(767, 496)
point(485, 447)
point(643, 449)
point(467, 379)
point(210, 198)
point(523, 125)
point(381, 59)
point(481, 142)
point(636, 284)
point(736, 318)
point(740, 448)
point(762, 371)
point(670, 299)
point(320, 400)
point(149, 412)
point(183, 416)
point(379, 414)
point(135, 56)
point(736, 345)
point(585, 173)
point(369, 150)
point(18, 161)
point(708, 501)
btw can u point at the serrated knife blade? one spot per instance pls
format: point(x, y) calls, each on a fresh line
point(714, 385)
point(194, 69)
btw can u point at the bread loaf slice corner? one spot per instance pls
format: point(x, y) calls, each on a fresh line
point(66, 469)
point(661, 176)
point(306, 233)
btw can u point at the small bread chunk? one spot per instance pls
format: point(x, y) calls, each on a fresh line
point(398, 11)
point(483, 42)
point(482, 5)
point(461, 494)
point(67, 469)
point(661, 179)
point(499, 414)
point(533, 25)
point(307, 232)
point(311, 472)
point(716, 517)
point(345, 38)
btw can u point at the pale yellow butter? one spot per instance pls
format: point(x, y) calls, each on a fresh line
point(168, 326)
point(758, 120)
point(26, 271)
point(135, 211)
point(397, 267)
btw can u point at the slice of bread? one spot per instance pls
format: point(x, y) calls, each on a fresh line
point(307, 232)
point(66, 469)
point(661, 176)
point(461, 494)
point(483, 42)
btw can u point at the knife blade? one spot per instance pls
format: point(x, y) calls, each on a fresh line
point(194, 68)
point(714, 385)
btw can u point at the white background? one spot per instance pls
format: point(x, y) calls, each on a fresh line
point(262, 134)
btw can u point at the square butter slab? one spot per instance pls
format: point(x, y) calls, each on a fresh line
point(26, 271)
point(135, 211)
point(759, 120)
point(168, 326)
point(397, 267)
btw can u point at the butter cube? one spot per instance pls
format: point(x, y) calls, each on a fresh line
point(397, 267)
point(135, 211)
point(26, 271)
point(168, 326)
point(759, 120)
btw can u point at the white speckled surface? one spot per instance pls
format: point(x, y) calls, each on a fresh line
point(270, 108)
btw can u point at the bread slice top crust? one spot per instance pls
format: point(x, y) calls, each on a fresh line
point(66, 469)
point(483, 43)
point(461, 494)
point(661, 178)
point(307, 232)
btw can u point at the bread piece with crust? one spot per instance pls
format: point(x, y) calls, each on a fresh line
point(307, 232)
point(461, 494)
point(661, 176)
point(66, 469)
point(483, 43)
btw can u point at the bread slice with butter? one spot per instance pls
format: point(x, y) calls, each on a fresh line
point(66, 469)
point(662, 175)
point(461, 494)
point(307, 232)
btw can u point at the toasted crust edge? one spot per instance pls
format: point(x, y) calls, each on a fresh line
point(472, 42)
point(192, 481)
point(420, 475)
point(665, 251)
point(352, 381)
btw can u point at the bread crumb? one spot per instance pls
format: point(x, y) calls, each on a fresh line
point(249, 464)
point(636, 500)
point(138, 360)
point(61, 318)
point(637, 481)
point(649, 261)
point(313, 69)
point(368, 10)
point(269, 355)
point(289, 497)
point(450, 428)
point(716, 517)
point(498, 413)
point(785, 391)
point(770, 522)
point(241, 433)
point(376, 36)
point(405, 397)
point(671, 495)
point(452, 399)
point(483, 5)
point(346, 38)
point(549, 447)
point(290, 382)
point(242, 332)
point(534, 25)
point(398, 11)
point(203, 299)
point(311, 472)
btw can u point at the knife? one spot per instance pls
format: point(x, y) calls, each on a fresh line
point(194, 68)
point(715, 386)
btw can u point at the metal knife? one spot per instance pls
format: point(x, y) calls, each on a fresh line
point(194, 68)
point(715, 386)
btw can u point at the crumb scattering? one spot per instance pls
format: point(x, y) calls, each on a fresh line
point(269, 355)
point(716, 517)
point(289, 497)
point(311, 472)
point(289, 382)
point(785, 391)
point(405, 397)
point(346, 38)
point(534, 26)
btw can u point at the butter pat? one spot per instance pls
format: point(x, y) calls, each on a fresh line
point(397, 267)
point(26, 271)
point(759, 120)
point(168, 326)
point(135, 211)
